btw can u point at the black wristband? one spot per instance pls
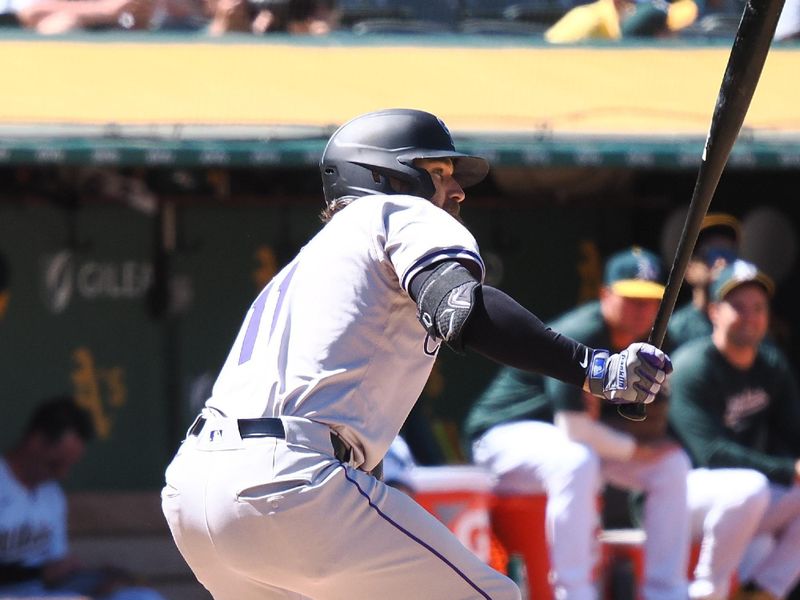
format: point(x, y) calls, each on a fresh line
point(597, 371)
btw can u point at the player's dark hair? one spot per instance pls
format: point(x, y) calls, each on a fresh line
point(399, 186)
point(59, 415)
point(331, 209)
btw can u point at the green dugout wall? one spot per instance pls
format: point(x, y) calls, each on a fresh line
point(86, 314)
point(98, 306)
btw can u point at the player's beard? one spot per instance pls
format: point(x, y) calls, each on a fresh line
point(454, 210)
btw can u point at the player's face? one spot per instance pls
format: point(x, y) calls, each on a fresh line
point(56, 459)
point(630, 317)
point(742, 318)
point(448, 194)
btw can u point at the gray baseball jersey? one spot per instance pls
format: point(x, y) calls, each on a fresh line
point(335, 337)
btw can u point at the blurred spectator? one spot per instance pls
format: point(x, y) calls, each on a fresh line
point(736, 407)
point(34, 558)
point(8, 12)
point(789, 22)
point(179, 15)
point(60, 16)
point(617, 19)
point(538, 436)
point(717, 245)
point(299, 17)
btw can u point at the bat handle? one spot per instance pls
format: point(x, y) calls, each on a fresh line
point(633, 412)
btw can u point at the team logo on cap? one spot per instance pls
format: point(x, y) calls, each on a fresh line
point(744, 271)
point(645, 269)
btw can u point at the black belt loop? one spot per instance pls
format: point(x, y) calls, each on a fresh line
point(264, 427)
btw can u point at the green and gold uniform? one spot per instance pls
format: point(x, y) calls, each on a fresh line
point(516, 395)
point(728, 417)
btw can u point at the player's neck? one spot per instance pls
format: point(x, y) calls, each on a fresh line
point(621, 340)
point(700, 297)
point(741, 357)
point(16, 461)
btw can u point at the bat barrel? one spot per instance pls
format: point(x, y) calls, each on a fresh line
point(746, 61)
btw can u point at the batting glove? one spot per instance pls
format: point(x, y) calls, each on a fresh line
point(634, 375)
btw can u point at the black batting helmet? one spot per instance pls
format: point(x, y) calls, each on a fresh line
point(364, 152)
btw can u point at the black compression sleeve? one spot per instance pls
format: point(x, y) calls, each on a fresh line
point(504, 331)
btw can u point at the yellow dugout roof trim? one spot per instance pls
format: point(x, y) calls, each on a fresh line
point(623, 90)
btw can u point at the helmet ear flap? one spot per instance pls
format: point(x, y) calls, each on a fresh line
point(410, 180)
point(424, 184)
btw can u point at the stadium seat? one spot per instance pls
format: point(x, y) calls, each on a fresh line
point(713, 26)
point(399, 16)
point(526, 11)
point(355, 11)
point(501, 27)
point(398, 26)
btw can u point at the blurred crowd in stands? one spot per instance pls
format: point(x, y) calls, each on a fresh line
point(556, 21)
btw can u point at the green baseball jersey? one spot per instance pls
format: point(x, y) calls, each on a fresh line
point(688, 323)
point(728, 417)
point(516, 395)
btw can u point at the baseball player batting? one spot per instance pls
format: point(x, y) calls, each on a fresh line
point(271, 495)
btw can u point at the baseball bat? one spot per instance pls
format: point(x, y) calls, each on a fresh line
point(746, 61)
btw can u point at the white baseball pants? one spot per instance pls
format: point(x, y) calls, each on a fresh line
point(268, 518)
point(726, 506)
point(772, 559)
point(531, 457)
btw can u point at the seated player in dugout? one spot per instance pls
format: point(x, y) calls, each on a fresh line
point(716, 247)
point(295, 17)
point(272, 493)
point(35, 561)
point(537, 435)
point(735, 405)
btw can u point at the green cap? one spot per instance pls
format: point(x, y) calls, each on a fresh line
point(635, 273)
point(736, 274)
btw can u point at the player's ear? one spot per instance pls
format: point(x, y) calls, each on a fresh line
point(713, 311)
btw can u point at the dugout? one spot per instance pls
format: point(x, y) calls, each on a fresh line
point(150, 184)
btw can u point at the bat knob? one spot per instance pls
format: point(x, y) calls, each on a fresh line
point(633, 412)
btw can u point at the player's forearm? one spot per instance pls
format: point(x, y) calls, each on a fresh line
point(605, 441)
point(700, 429)
point(504, 331)
point(726, 454)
